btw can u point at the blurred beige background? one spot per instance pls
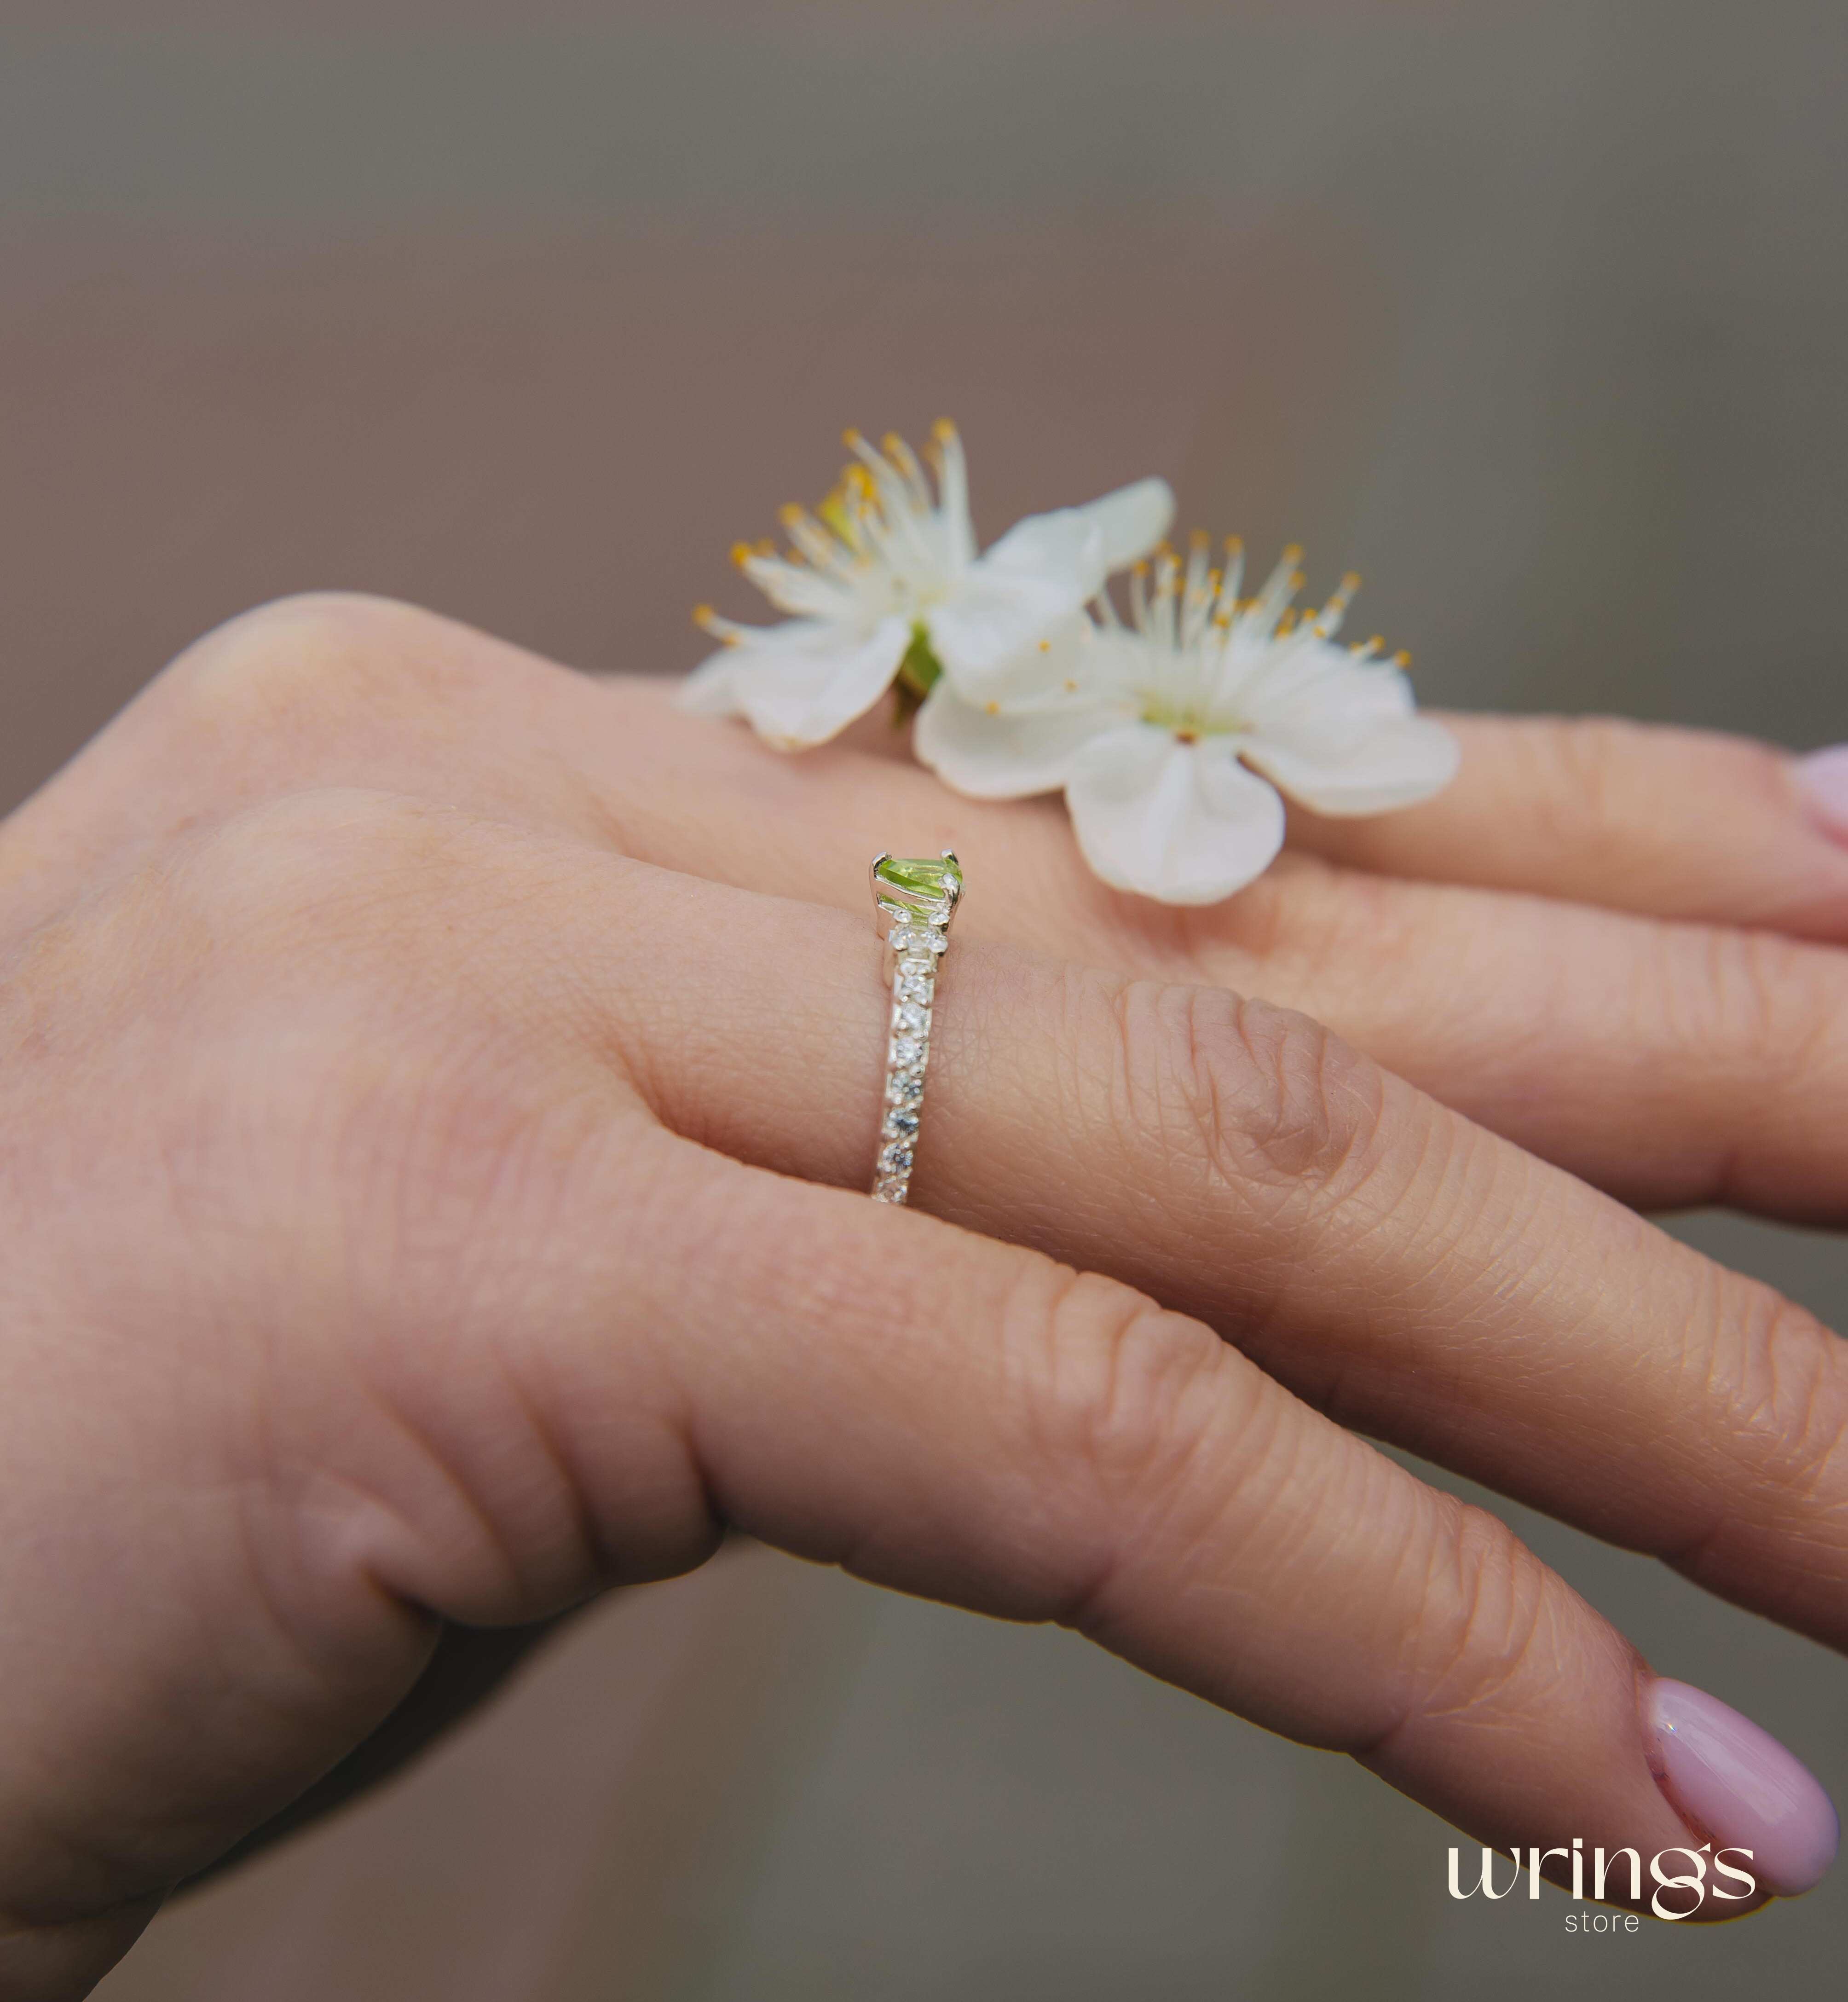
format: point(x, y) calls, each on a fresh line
point(1532, 310)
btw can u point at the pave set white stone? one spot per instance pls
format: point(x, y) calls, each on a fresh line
point(916, 899)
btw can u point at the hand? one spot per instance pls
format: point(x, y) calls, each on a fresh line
point(1656, 1059)
point(399, 1226)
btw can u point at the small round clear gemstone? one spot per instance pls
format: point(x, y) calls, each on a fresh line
point(896, 1159)
point(911, 1017)
point(904, 1087)
point(901, 1125)
point(907, 1052)
point(918, 938)
point(917, 987)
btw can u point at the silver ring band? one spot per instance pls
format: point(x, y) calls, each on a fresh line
point(914, 900)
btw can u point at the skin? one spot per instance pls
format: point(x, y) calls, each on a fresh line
point(434, 1092)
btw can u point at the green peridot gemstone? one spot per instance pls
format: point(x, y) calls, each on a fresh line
point(923, 878)
point(920, 886)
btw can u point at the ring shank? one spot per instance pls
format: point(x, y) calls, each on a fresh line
point(916, 950)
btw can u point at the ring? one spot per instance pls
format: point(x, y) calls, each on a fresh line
point(920, 897)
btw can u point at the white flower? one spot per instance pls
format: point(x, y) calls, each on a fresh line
point(883, 570)
point(1158, 731)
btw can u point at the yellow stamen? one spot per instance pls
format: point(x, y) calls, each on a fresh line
point(740, 553)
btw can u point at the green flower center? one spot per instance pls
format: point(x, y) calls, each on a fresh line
point(919, 673)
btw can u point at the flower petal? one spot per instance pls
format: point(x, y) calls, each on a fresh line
point(1185, 823)
point(1134, 518)
point(1001, 756)
point(1342, 736)
point(1064, 548)
point(1025, 594)
point(1396, 764)
point(1301, 690)
point(797, 692)
point(708, 690)
point(993, 632)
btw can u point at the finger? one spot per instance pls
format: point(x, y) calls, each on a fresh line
point(1390, 1262)
point(1672, 1065)
point(1669, 1063)
point(945, 1416)
point(1672, 823)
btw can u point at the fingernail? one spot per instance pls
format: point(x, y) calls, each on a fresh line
point(1718, 1769)
point(1823, 775)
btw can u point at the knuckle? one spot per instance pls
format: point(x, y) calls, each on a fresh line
point(1591, 778)
point(316, 862)
point(1751, 1004)
point(1755, 986)
point(1239, 1091)
point(1775, 1374)
point(391, 1058)
point(1490, 1617)
point(300, 668)
point(1140, 1416)
point(1584, 771)
point(1117, 1370)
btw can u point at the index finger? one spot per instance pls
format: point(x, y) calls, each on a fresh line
point(952, 1416)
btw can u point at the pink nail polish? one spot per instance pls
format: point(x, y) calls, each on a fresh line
point(1823, 775)
point(1742, 1786)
